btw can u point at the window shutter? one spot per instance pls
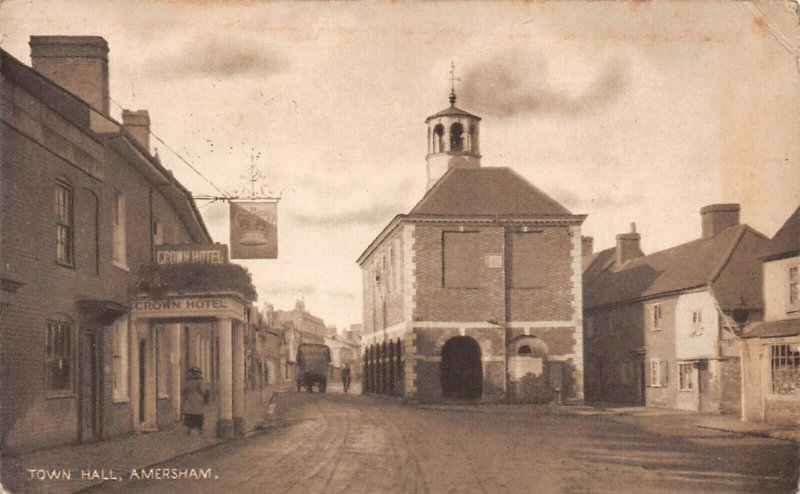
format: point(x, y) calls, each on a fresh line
point(664, 373)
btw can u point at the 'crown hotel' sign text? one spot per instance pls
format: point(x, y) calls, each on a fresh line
point(192, 254)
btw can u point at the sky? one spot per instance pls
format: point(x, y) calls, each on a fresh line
point(625, 111)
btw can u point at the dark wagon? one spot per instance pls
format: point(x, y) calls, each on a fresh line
point(312, 366)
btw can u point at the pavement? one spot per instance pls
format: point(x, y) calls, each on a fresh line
point(89, 464)
point(23, 473)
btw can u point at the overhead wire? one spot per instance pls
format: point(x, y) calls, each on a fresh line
point(178, 155)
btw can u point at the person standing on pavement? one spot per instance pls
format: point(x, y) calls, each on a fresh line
point(346, 377)
point(195, 396)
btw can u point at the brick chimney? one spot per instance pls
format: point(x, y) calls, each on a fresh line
point(138, 124)
point(717, 217)
point(77, 63)
point(587, 246)
point(627, 246)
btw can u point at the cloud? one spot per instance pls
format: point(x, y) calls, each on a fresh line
point(208, 56)
point(505, 88)
point(342, 294)
point(595, 200)
point(290, 289)
point(370, 216)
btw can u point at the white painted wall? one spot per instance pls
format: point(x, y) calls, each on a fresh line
point(776, 290)
point(688, 345)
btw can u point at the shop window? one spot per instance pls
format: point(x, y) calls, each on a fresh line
point(785, 369)
point(655, 317)
point(64, 225)
point(794, 286)
point(697, 322)
point(119, 234)
point(685, 376)
point(121, 361)
point(461, 266)
point(59, 350)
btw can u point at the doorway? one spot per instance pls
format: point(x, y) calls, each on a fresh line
point(90, 386)
point(462, 373)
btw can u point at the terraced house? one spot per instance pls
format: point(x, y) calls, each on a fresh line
point(92, 347)
point(664, 329)
point(475, 294)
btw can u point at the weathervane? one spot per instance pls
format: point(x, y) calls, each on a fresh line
point(453, 80)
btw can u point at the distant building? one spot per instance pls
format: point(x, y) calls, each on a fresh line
point(476, 292)
point(771, 353)
point(660, 329)
point(297, 326)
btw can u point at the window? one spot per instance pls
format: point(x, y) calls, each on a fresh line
point(697, 322)
point(398, 268)
point(794, 286)
point(58, 357)
point(438, 141)
point(657, 371)
point(64, 228)
point(461, 266)
point(685, 376)
point(119, 254)
point(655, 317)
point(120, 364)
point(785, 369)
point(456, 134)
point(162, 362)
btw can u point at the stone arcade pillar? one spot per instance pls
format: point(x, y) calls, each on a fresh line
point(225, 420)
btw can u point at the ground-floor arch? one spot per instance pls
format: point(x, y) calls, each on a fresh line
point(461, 369)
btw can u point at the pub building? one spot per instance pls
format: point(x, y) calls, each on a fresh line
point(110, 285)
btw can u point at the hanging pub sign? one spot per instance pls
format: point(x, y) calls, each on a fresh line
point(192, 254)
point(254, 230)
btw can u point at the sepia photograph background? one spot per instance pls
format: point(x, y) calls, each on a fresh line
point(626, 111)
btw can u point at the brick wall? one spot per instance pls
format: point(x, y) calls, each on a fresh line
point(435, 302)
point(383, 284)
point(39, 148)
point(550, 256)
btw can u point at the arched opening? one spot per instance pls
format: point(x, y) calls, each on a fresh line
point(462, 373)
point(524, 350)
point(438, 138)
point(456, 134)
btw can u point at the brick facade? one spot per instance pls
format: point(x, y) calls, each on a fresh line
point(47, 140)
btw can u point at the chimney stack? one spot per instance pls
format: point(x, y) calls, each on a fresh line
point(79, 64)
point(138, 124)
point(627, 246)
point(717, 217)
point(587, 246)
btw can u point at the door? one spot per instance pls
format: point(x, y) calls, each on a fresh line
point(90, 386)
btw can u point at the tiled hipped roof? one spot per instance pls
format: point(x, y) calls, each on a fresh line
point(727, 262)
point(486, 191)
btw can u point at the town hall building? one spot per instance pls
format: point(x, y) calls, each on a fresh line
point(475, 294)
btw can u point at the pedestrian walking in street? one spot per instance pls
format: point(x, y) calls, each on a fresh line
point(346, 377)
point(195, 396)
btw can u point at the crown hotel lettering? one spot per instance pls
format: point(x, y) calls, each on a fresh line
point(181, 304)
point(191, 255)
